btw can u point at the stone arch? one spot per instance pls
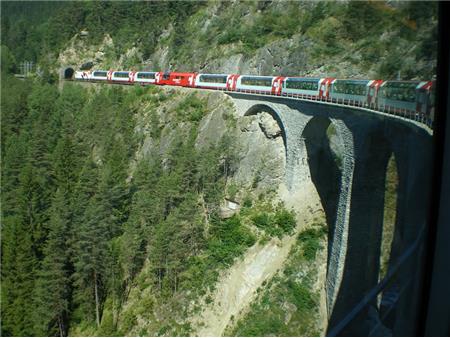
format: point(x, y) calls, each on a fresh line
point(69, 72)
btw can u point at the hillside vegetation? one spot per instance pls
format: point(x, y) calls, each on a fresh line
point(106, 193)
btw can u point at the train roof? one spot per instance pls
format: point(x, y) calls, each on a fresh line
point(294, 78)
point(356, 81)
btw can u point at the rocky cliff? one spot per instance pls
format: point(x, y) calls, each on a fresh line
point(354, 40)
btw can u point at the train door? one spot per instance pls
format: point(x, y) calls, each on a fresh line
point(231, 83)
point(109, 75)
point(158, 78)
point(324, 87)
point(422, 101)
point(423, 97)
point(372, 94)
point(321, 87)
point(191, 80)
point(276, 86)
point(131, 77)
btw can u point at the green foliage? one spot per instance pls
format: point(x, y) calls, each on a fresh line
point(191, 109)
point(287, 306)
point(277, 224)
point(228, 240)
point(54, 23)
point(247, 203)
point(311, 242)
point(8, 62)
point(302, 296)
point(232, 190)
point(60, 210)
point(285, 220)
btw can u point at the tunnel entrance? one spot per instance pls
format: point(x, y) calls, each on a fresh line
point(325, 165)
point(68, 73)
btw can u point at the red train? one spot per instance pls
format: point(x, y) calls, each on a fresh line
point(411, 99)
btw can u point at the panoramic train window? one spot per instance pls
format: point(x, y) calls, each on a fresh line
point(121, 74)
point(346, 87)
point(401, 91)
point(213, 78)
point(302, 84)
point(100, 74)
point(146, 76)
point(257, 81)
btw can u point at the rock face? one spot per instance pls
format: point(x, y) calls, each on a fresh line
point(269, 126)
point(229, 209)
point(231, 37)
point(262, 154)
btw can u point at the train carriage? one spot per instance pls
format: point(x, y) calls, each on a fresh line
point(398, 96)
point(82, 75)
point(123, 77)
point(260, 84)
point(175, 79)
point(350, 91)
point(99, 75)
point(306, 87)
point(303, 86)
point(212, 81)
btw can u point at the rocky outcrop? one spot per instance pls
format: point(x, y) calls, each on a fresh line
point(229, 208)
point(269, 126)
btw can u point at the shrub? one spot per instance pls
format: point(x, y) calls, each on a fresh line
point(302, 296)
point(229, 240)
point(191, 108)
point(310, 240)
point(262, 221)
point(247, 202)
point(285, 220)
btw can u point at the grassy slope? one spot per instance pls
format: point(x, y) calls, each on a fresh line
point(289, 304)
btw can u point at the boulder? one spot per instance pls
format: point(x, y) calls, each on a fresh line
point(269, 126)
point(229, 209)
point(87, 65)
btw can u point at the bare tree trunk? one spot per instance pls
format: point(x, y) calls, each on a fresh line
point(97, 311)
point(61, 329)
point(167, 272)
point(175, 282)
point(159, 279)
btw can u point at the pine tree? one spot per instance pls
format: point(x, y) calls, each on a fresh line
point(53, 289)
point(92, 260)
point(147, 210)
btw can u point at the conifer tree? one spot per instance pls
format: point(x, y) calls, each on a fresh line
point(91, 260)
point(53, 289)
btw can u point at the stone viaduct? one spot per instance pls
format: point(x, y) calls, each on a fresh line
point(352, 190)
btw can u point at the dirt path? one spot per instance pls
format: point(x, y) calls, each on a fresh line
point(237, 288)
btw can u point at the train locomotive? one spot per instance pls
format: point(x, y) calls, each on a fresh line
point(411, 99)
